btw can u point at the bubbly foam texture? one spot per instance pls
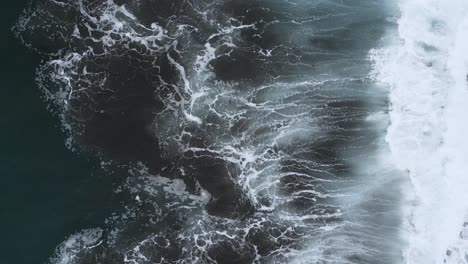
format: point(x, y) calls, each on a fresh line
point(426, 70)
point(278, 143)
point(66, 253)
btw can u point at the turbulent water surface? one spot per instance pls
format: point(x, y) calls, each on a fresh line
point(263, 131)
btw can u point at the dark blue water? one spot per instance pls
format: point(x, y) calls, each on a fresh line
point(46, 191)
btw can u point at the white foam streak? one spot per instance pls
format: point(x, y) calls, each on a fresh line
point(426, 73)
point(66, 253)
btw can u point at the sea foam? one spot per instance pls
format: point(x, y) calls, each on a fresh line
point(426, 68)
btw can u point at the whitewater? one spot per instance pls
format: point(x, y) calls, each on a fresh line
point(425, 65)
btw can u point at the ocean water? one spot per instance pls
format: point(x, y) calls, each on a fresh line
point(238, 131)
point(46, 192)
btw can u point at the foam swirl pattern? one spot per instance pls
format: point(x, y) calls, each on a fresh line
point(237, 131)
